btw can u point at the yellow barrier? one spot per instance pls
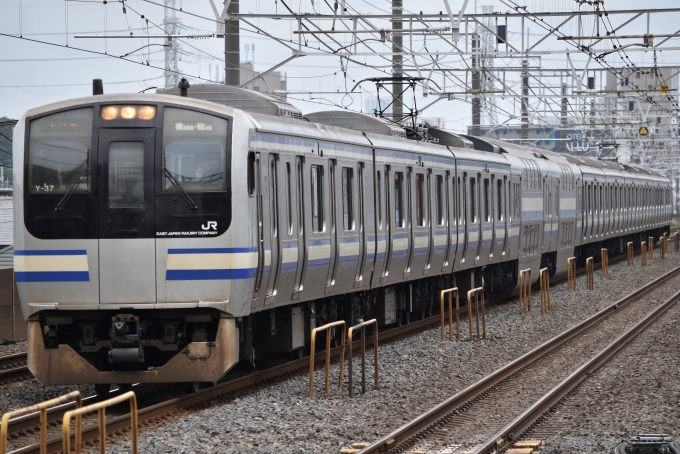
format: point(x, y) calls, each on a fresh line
point(544, 277)
point(650, 247)
point(100, 408)
point(631, 254)
point(663, 244)
point(362, 326)
point(450, 291)
point(643, 253)
point(524, 291)
point(42, 408)
point(604, 255)
point(571, 273)
point(476, 292)
point(328, 355)
point(590, 274)
point(665, 241)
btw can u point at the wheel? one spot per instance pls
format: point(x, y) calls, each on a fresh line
point(102, 390)
point(192, 387)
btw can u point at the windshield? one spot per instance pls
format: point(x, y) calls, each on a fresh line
point(59, 152)
point(194, 151)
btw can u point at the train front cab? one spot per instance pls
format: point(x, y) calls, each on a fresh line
point(125, 264)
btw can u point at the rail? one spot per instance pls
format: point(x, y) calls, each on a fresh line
point(476, 295)
point(100, 408)
point(450, 292)
point(590, 274)
point(552, 398)
point(571, 273)
point(42, 409)
point(524, 291)
point(604, 260)
point(544, 277)
point(362, 326)
point(328, 355)
point(418, 428)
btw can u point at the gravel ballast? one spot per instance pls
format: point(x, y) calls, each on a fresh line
point(416, 373)
point(637, 392)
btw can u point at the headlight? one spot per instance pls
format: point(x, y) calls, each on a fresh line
point(146, 112)
point(109, 112)
point(128, 112)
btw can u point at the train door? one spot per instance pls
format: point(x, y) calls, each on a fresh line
point(420, 221)
point(127, 245)
point(286, 240)
point(486, 221)
point(547, 215)
point(317, 226)
point(473, 225)
point(381, 224)
point(346, 245)
point(498, 212)
point(265, 174)
point(451, 220)
point(398, 238)
point(439, 230)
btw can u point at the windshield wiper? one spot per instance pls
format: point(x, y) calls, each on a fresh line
point(69, 193)
point(181, 190)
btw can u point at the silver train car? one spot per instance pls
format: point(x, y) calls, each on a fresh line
point(165, 238)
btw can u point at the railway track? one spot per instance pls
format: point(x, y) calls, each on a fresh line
point(477, 406)
point(13, 368)
point(29, 424)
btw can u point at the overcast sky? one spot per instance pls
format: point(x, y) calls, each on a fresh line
point(34, 74)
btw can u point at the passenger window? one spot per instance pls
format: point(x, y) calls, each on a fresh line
point(59, 152)
point(487, 204)
point(378, 199)
point(420, 206)
point(317, 199)
point(289, 197)
point(473, 200)
point(126, 175)
point(347, 198)
point(194, 151)
point(438, 198)
point(499, 200)
point(399, 199)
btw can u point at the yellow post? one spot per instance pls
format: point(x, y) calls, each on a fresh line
point(42, 408)
point(362, 326)
point(328, 355)
point(450, 292)
point(477, 293)
point(643, 253)
point(100, 408)
point(650, 247)
point(525, 290)
point(571, 273)
point(590, 274)
point(544, 276)
point(605, 261)
point(631, 254)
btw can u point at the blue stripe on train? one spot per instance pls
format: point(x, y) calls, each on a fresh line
point(208, 275)
point(52, 276)
point(224, 250)
point(51, 252)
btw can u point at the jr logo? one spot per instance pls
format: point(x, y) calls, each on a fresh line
point(210, 225)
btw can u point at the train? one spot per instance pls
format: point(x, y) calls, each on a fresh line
point(167, 237)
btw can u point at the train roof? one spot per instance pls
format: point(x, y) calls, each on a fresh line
point(356, 121)
point(132, 98)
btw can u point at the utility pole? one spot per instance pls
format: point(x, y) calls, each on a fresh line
point(476, 87)
point(525, 101)
point(563, 122)
point(397, 60)
point(232, 47)
point(171, 25)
